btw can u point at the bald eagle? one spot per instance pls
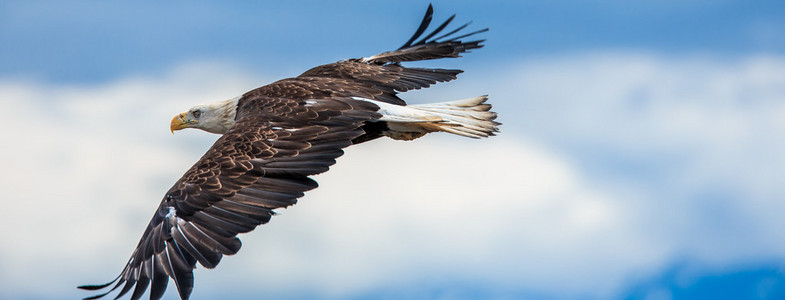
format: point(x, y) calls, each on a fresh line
point(276, 136)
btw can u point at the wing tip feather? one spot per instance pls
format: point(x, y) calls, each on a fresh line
point(429, 47)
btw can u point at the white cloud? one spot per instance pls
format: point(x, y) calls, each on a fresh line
point(86, 166)
point(699, 138)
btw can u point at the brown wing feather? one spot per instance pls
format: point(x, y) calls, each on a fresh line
point(261, 164)
point(381, 77)
point(382, 82)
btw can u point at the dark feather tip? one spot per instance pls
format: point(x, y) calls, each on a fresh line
point(97, 296)
point(426, 20)
point(93, 287)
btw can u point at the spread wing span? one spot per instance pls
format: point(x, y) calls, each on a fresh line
point(283, 133)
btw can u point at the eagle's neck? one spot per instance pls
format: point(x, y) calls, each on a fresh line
point(221, 116)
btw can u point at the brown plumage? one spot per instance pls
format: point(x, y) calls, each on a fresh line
point(279, 135)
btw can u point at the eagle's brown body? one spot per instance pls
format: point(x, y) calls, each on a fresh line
point(281, 134)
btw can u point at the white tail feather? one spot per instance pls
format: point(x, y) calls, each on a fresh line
point(466, 117)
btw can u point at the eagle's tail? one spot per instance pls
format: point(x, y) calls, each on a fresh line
point(467, 117)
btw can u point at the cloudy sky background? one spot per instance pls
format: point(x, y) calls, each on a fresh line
point(640, 156)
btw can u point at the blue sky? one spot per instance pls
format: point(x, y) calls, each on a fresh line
point(89, 41)
point(640, 156)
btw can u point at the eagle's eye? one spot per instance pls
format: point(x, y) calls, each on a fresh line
point(196, 114)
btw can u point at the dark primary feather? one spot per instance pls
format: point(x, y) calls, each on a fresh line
point(428, 48)
point(284, 132)
point(426, 20)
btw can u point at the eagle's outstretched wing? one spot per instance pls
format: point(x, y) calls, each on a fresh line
point(383, 74)
point(262, 163)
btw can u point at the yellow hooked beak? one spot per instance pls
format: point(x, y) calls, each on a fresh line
point(181, 121)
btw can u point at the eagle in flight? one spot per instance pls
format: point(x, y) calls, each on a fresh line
point(276, 136)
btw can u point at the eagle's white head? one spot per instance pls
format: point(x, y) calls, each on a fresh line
point(216, 117)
